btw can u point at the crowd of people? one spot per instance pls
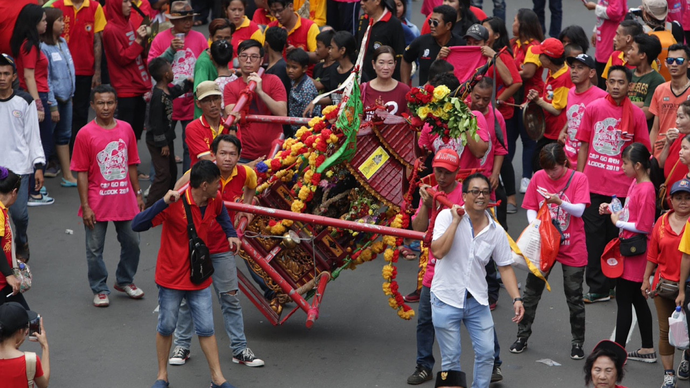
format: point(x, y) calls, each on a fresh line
point(612, 164)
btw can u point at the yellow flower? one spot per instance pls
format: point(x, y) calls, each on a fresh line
point(367, 255)
point(297, 206)
point(406, 315)
point(287, 223)
point(314, 121)
point(333, 139)
point(389, 240)
point(422, 112)
point(304, 193)
point(388, 255)
point(288, 143)
point(387, 272)
point(329, 173)
point(307, 176)
point(440, 92)
point(301, 132)
point(392, 303)
point(378, 247)
point(328, 109)
point(447, 106)
point(438, 112)
point(397, 222)
point(295, 148)
point(387, 289)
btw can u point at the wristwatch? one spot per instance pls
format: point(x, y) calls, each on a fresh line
point(139, 192)
point(517, 300)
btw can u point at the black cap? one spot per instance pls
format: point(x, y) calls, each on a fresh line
point(582, 58)
point(6, 60)
point(478, 32)
point(13, 316)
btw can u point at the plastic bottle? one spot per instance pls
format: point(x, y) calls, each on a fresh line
point(676, 314)
point(615, 206)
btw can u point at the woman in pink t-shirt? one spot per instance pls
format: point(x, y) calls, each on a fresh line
point(636, 218)
point(567, 193)
point(384, 90)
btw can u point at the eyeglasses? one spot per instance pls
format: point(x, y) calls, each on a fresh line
point(434, 22)
point(679, 61)
point(477, 192)
point(275, 11)
point(252, 58)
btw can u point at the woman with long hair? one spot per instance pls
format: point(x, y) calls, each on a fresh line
point(664, 257)
point(244, 28)
point(566, 192)
point(574, 35)
point(32, 69)
point(527, 33)
point(634, 220)
point(204, 68)
point(384, 90)
point(61, 78)
point(411, 30)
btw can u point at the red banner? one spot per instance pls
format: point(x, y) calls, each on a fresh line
point(466, 60)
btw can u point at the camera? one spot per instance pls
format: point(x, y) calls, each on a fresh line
point(34, 327)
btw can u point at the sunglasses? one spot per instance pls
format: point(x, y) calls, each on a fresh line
point(679, 61)
point(434, 23)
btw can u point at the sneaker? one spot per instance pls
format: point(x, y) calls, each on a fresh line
point(592, 297)
point(496, 375)
point(576, 352)
point(518, 346)
point(669, 381)
point(247, 358)
point(420, 375)
point(523, 185)
point(511, 209)
point(224, 385)
point(683, 371)
point(43, 201)
point(412, 297)
point(43, 191)
point(180, 356)
point(52, 171)
point(493, 304)
point(637, 356)
point(132, 291)
point(101, 300)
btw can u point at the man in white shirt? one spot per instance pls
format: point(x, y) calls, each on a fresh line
point(20, 148)
point(463, 246)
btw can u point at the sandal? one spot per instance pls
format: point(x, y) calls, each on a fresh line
point(409, 252)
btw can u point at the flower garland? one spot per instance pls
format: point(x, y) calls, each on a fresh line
point(448, 116)
point(390, 272)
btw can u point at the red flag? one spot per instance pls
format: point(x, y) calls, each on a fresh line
point(466, 60)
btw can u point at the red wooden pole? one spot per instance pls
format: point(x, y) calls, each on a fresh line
point(244, 98)
point(277, 119)
point(320, 220)
point(313, 313)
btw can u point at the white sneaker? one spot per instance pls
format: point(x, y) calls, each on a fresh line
point(247, 358)
point(523, 185)
point(101, 300)
point(131, 290)
point(180, 356)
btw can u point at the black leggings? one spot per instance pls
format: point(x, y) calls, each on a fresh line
point(628, 294)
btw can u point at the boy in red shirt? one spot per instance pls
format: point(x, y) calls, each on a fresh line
point(173, 269)
point(554, 98)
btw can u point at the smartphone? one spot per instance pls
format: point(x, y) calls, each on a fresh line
point(34, 327)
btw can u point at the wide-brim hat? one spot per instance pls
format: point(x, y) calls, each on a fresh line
point(174, 15)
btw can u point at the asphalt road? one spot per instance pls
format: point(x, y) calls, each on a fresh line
point(358, 340)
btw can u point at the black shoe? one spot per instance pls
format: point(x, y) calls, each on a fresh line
point(420, 375)
point(576, 352)
point(496, 375)
point(519, 345)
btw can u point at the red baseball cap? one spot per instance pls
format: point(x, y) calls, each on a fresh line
point(551, 47)
point(612, 262)
point(446, 158)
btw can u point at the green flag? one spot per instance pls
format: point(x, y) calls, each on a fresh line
point(348, 121)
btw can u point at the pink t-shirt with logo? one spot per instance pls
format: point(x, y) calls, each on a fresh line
point(639, 208)
point(433, 142)
point(577, 102)
point(106, 154)
point(675, 11)
point(606, 27)
point(455, 197)
point(183, 64)
point(686, 16)
point(604, 166)
point(573, 251)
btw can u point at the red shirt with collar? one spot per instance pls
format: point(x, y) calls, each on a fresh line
point(199, 136)
point(172, 266)
point(231, 190)
point(81, 27)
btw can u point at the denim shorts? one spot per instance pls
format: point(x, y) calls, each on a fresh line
point(200, 305)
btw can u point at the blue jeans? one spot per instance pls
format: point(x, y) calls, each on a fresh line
point(480, 325)
point(516, 128)
point(46, 131)
point(200, 303)
point(129, 255)
point(556, 8)
point(224, 282)
point(20, 213)
point(425, 331)
point(62, 130)
point(499, 7)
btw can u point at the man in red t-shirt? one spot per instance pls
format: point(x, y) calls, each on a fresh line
point(106, 159)
point(554, 98)
point(173, 270)
point(269, 98)
point(201, 132)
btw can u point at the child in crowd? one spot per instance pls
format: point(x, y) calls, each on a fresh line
point(303, 90)
point(160, 133)
point(323, 42)
point(221, 55)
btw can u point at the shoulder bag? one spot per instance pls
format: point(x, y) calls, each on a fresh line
point(665, 288)
point(199, 255)
point(21, 270)
point(555, 221)
point(30, 358)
